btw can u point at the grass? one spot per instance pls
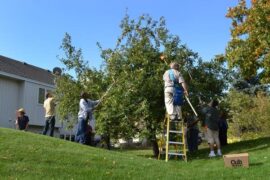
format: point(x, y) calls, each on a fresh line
point(25, 155)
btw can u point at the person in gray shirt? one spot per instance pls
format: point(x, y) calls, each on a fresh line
point(173, 110)
point(212, 124)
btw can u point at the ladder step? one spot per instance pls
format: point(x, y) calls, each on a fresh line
point(177, 132)
point(173, 142)
point(176, 154)
point(175, 121)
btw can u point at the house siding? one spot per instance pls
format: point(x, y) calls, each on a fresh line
point(9, 101)
point(15, 94)
point(19, 88)
point(35, 109)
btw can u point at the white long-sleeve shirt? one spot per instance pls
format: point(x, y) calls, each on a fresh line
point(87, 108)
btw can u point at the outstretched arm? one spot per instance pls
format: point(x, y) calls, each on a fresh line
point(95, 103)
point(184, 85)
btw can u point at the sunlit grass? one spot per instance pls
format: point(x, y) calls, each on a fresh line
point(26, 155)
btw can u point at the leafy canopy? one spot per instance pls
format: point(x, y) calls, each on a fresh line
point(135, 103)
point(249, 48)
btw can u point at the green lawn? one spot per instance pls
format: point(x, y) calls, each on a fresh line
point(26, 155)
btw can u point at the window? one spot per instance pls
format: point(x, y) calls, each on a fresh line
point(41, 95)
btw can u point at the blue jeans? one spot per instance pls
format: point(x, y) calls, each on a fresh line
point(81, 131)
point(49, 124)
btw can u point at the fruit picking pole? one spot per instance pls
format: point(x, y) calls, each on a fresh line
point(106, 93)
point(191, 106)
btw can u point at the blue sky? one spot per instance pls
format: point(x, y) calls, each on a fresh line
point(32, 30)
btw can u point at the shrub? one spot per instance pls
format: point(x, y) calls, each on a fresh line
point(249, 115)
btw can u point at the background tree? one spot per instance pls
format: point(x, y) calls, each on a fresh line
point(69, 87)
point(249, 49)
point(134, 105)
point(249, 115)
point(249, 53)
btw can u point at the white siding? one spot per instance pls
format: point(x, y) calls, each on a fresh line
point(9, 101)
point(15, 94)
point(35, 110)
point(31, 106)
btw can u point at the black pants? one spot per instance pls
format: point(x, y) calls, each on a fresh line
point(223, 137)
point(192, 139)
point(49, 124)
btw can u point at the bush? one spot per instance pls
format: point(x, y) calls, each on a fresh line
point(249, 115)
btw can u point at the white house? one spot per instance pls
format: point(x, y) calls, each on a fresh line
point(23, 85)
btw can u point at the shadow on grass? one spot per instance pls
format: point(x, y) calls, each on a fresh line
point(238, 147)
point(148, 156)
point(255, 164)
point(250, 145)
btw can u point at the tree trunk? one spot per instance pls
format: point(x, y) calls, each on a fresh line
point(153, 140)
point(155, 147)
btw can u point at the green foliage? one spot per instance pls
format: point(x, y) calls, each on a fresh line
point(249, 48)
point(73, 59)
point(67, 96)
point(209, 80)
point(249, 52)
point(249, 115)
point(251, 87)
point(135, 103)
point(69, 88)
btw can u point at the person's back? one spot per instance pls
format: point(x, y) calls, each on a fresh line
point(49, 107)
point(22, 122)
point(173, 81)
point(211, 122)
point(168, 82)
point(211, 117)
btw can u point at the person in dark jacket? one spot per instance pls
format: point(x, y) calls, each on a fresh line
point(22, 120)
point(192, 133)
point(223, 128)
point(211, 122)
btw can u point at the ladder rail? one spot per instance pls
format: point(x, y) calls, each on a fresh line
point(167, 138)
point(184, 142)
point(180, 132)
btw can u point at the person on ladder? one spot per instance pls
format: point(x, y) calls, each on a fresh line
point(175, 86)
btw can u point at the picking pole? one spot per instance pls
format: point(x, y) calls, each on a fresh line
point(191, 106)
point(106, 93)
